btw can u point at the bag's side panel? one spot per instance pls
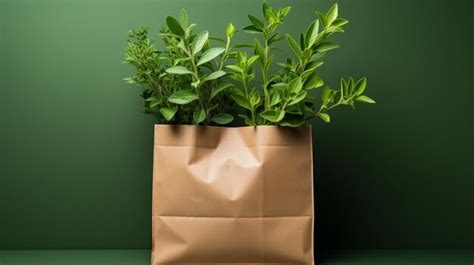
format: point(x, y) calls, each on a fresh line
point(288, 194)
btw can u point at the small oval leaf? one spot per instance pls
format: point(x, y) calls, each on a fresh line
point(213, 76)
point(242, 101)
point(360, 86)
point(222, 118)
point(273, 115)
point(325, 117)
point(199, 41)
point(182, 97)
point(365, 99)
point(210, 54)
point(199, 115)
point(179, 70)
point(294, 46)
point(174, 26)
point(256, 22)
point(326, 46)
point(168, 113)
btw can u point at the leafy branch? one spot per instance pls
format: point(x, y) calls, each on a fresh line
point(288, 98)
point(183, 84)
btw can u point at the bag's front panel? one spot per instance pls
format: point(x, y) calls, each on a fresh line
point(204, 188)
point(208, 240)
point(232, 195)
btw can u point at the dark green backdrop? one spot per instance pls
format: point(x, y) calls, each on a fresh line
point(76, 153)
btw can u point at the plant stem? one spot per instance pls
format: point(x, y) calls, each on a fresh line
point(265, 75)
point(196, 79)
point(225, 54)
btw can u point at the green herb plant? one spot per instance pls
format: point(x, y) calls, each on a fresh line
point(287, 96)
point(193, 82)
point(184, 83)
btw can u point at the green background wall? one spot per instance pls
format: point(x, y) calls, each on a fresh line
point(76, 153)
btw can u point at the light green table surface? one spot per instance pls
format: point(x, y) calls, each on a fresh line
point(142, 257)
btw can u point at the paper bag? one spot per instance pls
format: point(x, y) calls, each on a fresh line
point(232, 195)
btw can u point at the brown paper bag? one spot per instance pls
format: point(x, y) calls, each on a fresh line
point(232, 195)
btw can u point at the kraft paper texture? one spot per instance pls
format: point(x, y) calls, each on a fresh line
point(232, 195)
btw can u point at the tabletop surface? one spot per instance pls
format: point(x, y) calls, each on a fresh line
point(142, 257)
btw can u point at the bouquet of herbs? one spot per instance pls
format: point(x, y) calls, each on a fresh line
point(200, 79)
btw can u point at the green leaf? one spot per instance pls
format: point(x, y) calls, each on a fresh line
point(322, 18)
point(222, 118)
point(345, 84)
point(332, 14)
point(308, 72)
point(256, 22)
point(274, 38)
point(254, 98)
point(344, 87)
point(179, 70)
point(318, 83)
point(221, 87)
point(339, 22)
point(183, 47)
point(294, 46)
point(326, 46)
point(183, 18)
point(258, 50)
point(273, 115)
point(252, 59)
point(365, 99)
point(189, 29)
point(213, 76)
point(168, 113)
point(251, 29)
point(182, 97)
point(295, 85)
point(351, 82)
point(313, 81)
point(199, 115)
point(298, 98)
point(234, 68)
point(174, 26)
point(267, 11)
point(154, 102)
point(303, 43)
point(294, 121)
point(209, 55)
point(242, 101)
point(325, 94)
point(312, 33)
point(314, 64)
point(334, 29)
point(275, 97)
point(360, 86)
point(284, 11)
point(325, 117)
point(199, 41)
